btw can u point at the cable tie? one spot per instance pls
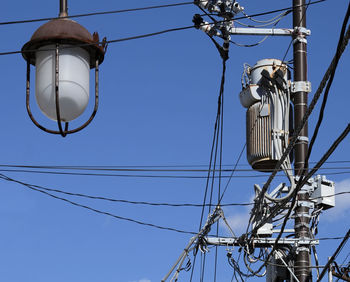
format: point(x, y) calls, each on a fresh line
point(303, 138)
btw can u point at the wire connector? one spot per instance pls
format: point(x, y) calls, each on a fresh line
point(300, 86)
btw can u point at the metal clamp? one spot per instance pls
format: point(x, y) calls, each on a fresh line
point(300, 39)
point(300, 86)
point(305, 204)
point(302, 30)
point(302, 249)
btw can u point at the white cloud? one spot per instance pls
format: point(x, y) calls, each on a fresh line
point(342, 207)
point(238, 222)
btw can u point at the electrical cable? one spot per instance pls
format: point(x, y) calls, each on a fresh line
point(303, 182)
point(274, 23)
point(152, 203)
point(294, 196)
point(325, 156)
point(142, 167)
point(344, 263)
point(2, 176)
point(217, 132)
point(222, 84)
point(98, 13)
point(291, 41)
point(210, 164)
point(249, 45)
point(267, 21)
point(232, 174)
point(139, 169)
point(282, 265)
point(106, 42)
point(213, 178)
point(237, 162)
point(342, 37)
point(145, 35)
point(298, 130)
point(337, 251)
point(347, 171)
point(136, 202)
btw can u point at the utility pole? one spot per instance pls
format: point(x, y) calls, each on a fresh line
point(263, 84)
point(300, 99)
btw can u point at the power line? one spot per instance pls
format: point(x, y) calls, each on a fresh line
point(291, 41)
point(325, 156)
point(157, 176)
point(218, 133)
point(331, 238)
point(99, 13)
point(128, 201)
point(144, 202)
point(139, 36)
point(222, 85)
point(146, 169)
point(279, 18)
point(135, 10)
point(126, 167)
point(341, 245)
point(93, 209)
point(331, 77)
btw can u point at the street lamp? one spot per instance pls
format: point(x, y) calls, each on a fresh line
point(63, 52)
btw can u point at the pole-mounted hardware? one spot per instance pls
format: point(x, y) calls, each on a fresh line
point(268, 92)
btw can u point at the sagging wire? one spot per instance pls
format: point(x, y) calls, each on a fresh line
point(248, 263)
point(274, 23)
point(248, 260)
point(278, 17)
point(261, 25)
point(234, 264)
point(262, 40)
point(249, 45)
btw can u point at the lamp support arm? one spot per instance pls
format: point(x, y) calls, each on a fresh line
point(63, 9)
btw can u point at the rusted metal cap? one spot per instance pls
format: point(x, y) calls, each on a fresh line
point(64, 31)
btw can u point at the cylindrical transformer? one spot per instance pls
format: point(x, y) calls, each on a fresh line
point(267, 120)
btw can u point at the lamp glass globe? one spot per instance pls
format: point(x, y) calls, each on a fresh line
point(74, 77)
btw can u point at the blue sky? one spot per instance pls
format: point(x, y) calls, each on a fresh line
point(158, 100)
